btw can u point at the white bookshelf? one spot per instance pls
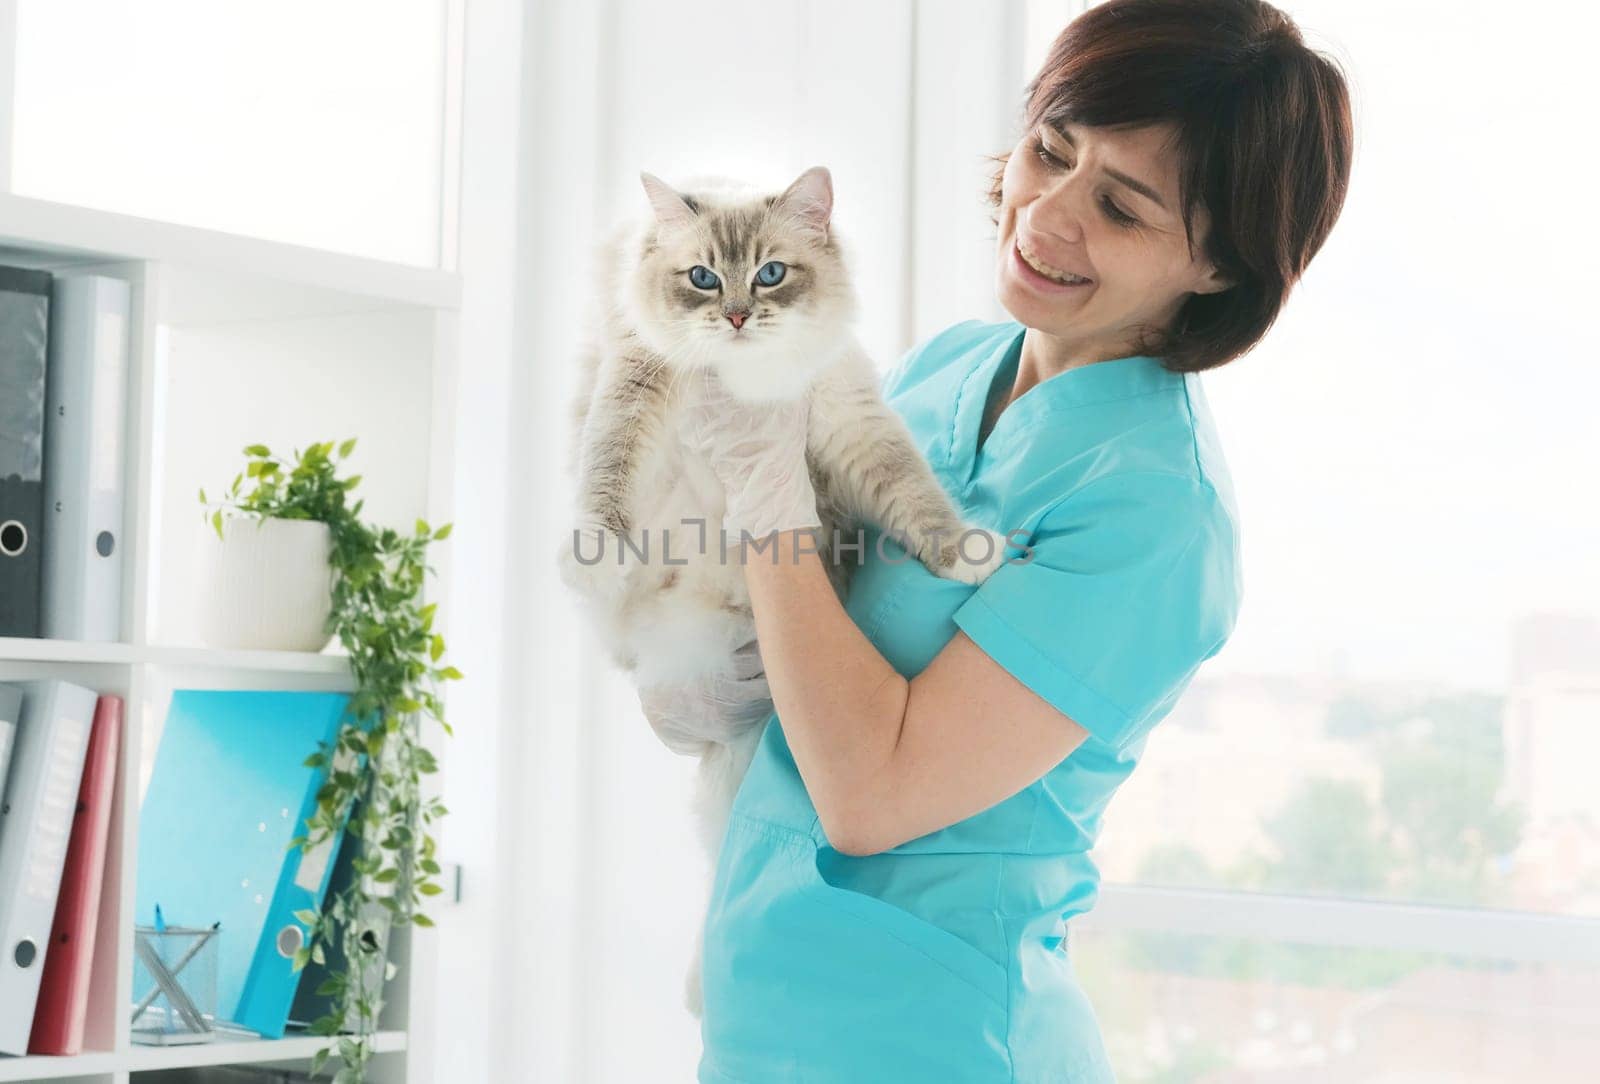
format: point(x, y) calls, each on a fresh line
point(236, 341)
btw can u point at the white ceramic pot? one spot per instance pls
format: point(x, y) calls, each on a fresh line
point(266, 584)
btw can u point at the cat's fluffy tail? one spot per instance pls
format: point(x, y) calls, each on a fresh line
point(722, 769)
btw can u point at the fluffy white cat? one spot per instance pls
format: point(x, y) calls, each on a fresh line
point(755, 286)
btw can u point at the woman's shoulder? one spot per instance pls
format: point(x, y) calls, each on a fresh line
point(951, 346)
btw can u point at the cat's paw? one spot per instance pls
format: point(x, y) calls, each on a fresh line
point(970, 556)
point(587, 560)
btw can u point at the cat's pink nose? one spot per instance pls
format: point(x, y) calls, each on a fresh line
point(737, 319)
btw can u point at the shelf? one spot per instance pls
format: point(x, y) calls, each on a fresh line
point(29, 649)
point(233, 340)
point(84, 234)
point(287, 662)
point(143, 1058)
point(26, 649)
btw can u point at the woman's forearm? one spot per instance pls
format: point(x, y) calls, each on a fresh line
point(841, 703)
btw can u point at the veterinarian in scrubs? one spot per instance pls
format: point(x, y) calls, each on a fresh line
point(893, 891)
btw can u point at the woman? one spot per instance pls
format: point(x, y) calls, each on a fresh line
point(892, 893)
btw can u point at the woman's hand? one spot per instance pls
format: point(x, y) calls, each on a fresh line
point(716, 708)
point(758, 451)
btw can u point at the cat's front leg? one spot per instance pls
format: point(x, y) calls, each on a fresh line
point(626, 417)
point(874, 471)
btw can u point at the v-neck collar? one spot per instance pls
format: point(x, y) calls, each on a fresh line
point(1098, 382)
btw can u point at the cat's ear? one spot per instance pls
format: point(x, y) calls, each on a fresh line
point(670, 208)
point(809, 199)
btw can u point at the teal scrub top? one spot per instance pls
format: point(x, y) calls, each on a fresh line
point(944, 958)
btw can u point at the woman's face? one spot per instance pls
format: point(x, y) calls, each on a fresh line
point(1092, 248)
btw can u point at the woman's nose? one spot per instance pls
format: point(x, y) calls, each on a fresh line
point(1056, 220)
point(1059, 210)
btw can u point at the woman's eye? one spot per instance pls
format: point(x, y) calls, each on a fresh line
point(1117, 214)
point(703, 278)
point(771, 273)
point(1044, 154)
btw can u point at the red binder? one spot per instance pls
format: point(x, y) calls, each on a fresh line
point(58, 1018)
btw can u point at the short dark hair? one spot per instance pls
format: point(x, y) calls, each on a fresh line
point(1264, 137)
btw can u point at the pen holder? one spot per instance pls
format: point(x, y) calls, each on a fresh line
point(174, 985)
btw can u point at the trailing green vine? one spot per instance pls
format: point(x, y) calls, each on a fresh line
point(376, 763)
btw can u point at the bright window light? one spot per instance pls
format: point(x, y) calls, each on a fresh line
point(312, 123)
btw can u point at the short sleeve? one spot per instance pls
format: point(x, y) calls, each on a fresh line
point(1128, 585)
point(896, 375)
point(908, 370)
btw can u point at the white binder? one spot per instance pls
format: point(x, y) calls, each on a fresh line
point(35, 826)
point(84, 450)
point(10, 711)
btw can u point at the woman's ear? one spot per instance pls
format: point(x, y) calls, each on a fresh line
point(1211, 281)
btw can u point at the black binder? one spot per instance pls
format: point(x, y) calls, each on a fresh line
point(24, 334)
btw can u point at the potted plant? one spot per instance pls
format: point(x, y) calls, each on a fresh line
point(264, 585)
point(376, 763)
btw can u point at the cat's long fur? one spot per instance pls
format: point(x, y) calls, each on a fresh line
point(654, 332)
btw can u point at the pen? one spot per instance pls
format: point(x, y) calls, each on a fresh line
point(188, 955)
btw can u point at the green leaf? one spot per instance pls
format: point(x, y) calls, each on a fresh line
point(429, 889)
point(421, 919)
point(257, 450)
point(302, 956)
point(443, 532)
point(436, 648)
point(388, 876)
point(450, 673)
point(347, 447)
point(308, 917)
point(202, 494)
point(318, 1060)
point(422, 526)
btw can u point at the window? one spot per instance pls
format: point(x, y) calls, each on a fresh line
point(317, 124)
point(1410, 707)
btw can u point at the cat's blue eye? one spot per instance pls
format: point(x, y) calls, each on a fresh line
point(703, 278)
point(771, 273)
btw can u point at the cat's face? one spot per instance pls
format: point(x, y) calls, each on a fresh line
point(751, 284)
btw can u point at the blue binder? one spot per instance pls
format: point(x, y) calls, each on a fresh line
point(228, 792)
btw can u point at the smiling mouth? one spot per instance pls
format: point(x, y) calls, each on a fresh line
point(1054, 274)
